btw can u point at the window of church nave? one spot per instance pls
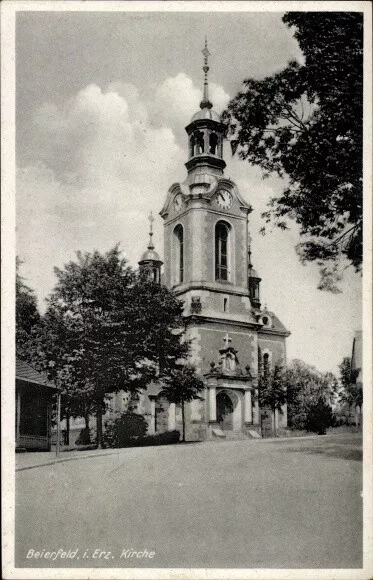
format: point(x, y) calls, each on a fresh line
point(225, 304)
point(178, 262)
point(221, 251)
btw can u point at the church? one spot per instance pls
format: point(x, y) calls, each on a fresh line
point(207, 264)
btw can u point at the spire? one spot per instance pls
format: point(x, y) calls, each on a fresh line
point(253, 278)
point(249, 252)
point(151, 220)
point(206, 103)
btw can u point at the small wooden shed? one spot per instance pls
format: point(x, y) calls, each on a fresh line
point(34, 400)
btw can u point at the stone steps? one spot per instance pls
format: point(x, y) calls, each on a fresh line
point(231, 435)
point(223, 435)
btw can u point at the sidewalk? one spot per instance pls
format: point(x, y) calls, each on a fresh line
point(30, 460)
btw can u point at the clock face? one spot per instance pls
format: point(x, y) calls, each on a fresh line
point(224, 199)
point(178, 202)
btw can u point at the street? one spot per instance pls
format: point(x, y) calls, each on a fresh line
point(237, 504)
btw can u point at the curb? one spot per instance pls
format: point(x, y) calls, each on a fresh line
point(63, 459)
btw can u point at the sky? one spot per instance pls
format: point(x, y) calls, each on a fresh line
point(102, 100)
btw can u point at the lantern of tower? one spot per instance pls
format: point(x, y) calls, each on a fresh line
point(205, 131)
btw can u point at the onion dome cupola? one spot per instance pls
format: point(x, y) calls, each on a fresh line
point(206, 131)
point(150, 262)
point(253, 282)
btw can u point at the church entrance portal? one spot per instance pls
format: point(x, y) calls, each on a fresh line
point(224, 411)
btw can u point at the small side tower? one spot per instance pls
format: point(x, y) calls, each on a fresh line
point(150, 261)
point(253, 282)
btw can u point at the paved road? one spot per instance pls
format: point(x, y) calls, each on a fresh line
point(237, 504)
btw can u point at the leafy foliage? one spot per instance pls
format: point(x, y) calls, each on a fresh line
point(308, 390)
point(272, 388)
point(121, 431)
point(129, 430)
point(305, 123)
point(319, 417)
point(27, 314)
point(107, 329)
point(181, 386)
point(352, 390)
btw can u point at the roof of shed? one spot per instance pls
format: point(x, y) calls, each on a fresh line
point(25, 372)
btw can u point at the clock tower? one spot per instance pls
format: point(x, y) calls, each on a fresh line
point(207, 264)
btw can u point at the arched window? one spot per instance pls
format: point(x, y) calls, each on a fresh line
point(197, 143)
point(221, 251)
point(179, 254)
point(213, 143)
point(192, 142)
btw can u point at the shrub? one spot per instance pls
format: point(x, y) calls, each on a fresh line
point(129, 430)
point(166, 438)
point(319, 417)
point(124, 430)
point(298, 421)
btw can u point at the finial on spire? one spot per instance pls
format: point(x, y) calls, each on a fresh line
point(151, 220)
point(249, 239)
point(206, 103)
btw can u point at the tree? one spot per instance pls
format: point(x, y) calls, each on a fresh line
point(54, 348)
point(182, 386)
point(272, 390)
point(305, 123)
point(27, 314)
point(352, 390)
point(107, 329)
point(308, 390)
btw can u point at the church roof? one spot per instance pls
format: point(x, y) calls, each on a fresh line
point(253, 273)
point(277, 324)
point(150, 255)
point(206, 113)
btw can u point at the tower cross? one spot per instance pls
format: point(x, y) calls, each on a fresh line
point(227, 340)
point(205, 103)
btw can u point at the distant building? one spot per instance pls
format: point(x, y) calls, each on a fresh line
point(357, 357)
point(357, 369)
point(34, 399)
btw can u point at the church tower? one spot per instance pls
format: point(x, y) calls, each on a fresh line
point(207, 263)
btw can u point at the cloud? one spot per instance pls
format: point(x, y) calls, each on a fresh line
point(177, 99)
point(103, 159)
